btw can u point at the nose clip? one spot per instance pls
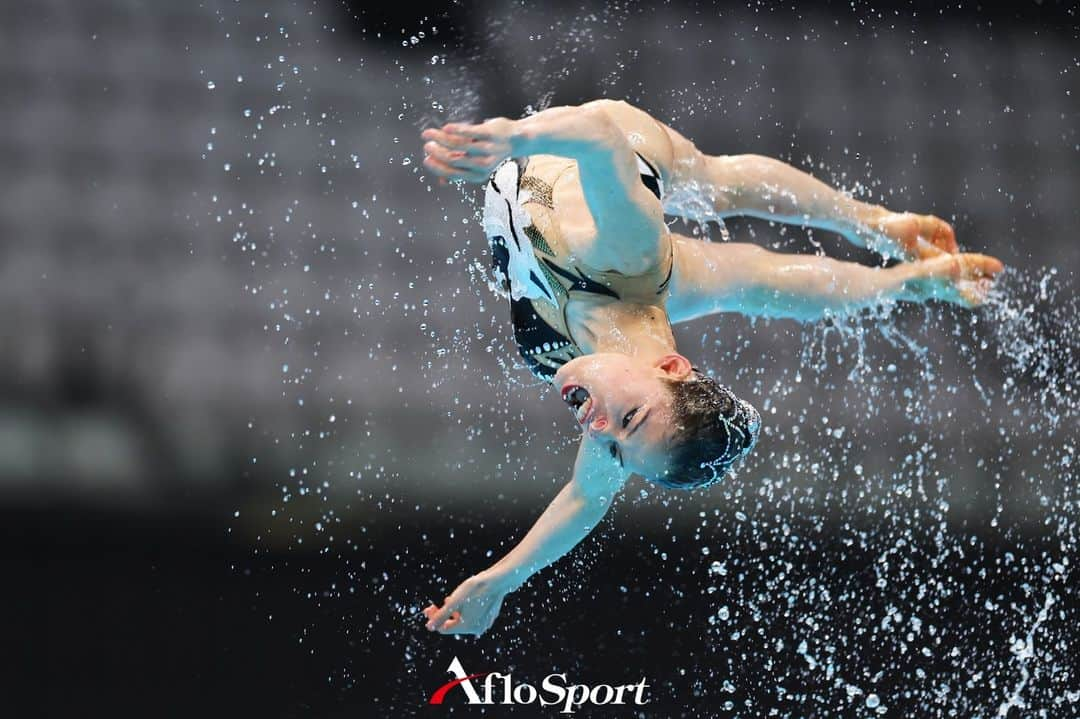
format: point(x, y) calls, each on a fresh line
point(598, 425)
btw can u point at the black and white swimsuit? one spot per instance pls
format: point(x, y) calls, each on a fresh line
point(532, 263)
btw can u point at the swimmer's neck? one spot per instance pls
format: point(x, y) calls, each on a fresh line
point(632, 329)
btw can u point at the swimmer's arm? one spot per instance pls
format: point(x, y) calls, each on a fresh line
point(574, 512)
point(602, 135)
point(736, 277)
point(625, 213)
point(473, 606)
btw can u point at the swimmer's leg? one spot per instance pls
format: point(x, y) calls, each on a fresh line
point(765, 187)
point(713, 277)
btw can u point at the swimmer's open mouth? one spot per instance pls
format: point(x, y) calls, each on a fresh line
point(579, 400)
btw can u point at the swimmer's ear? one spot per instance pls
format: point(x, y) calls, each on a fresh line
point(674, 366)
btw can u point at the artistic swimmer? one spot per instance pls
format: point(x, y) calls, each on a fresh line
point(574, 210)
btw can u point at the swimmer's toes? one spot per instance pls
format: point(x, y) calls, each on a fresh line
point(920, 236)
point(942, 234)
point(982, 266)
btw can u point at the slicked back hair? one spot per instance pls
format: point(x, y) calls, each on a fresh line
point(714, 431)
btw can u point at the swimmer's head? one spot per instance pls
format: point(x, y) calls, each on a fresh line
point(714, 431)
point(660, 419)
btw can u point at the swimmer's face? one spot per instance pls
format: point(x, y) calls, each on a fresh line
point(624, 405)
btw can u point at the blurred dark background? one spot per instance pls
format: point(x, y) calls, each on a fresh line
point(258, 404)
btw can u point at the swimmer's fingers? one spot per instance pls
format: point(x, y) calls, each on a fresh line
point(446, 139)
point(470, 609)
point(459, 159)
point(434, 618)
point(437, 618)
point(453, 625)
point(454, 621)
point(448, 617)
point(457, 624)
point(468, 145)
point(498, 129)
point(454, 173)
point(456, 164)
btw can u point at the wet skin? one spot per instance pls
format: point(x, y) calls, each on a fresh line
point(623, 404)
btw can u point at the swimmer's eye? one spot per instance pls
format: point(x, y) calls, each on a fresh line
point(629, 417)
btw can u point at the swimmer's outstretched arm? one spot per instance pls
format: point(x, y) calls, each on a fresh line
point(736, 277)
point(576, 509)
point(761, 186)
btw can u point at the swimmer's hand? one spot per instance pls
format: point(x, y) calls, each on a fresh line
point(922, 237)
point(460, 151)
point(470, 609)
point(963, 279)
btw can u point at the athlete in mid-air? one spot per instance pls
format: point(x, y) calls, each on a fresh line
point(574, 213)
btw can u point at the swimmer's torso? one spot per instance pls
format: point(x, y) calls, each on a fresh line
point(531, 205)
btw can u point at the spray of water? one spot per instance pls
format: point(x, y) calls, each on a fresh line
point(914, 482)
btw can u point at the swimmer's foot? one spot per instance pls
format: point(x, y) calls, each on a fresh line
point(920, 236)
point(963, 279)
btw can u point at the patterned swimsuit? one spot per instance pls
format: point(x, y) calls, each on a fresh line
point(532, 263)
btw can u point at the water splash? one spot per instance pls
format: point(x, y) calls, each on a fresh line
point(914, 484)
point(1024, 651)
